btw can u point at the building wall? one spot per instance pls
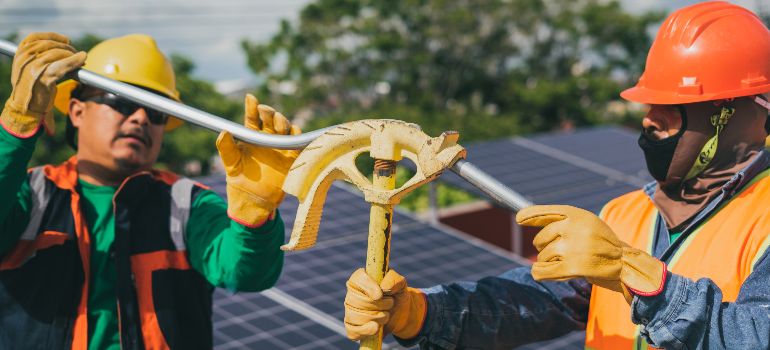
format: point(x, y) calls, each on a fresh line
point(493, 225)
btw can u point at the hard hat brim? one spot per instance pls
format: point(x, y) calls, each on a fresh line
point(641, 94)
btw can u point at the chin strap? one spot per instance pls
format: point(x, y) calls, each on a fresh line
point(762, 102)
point(709, 150)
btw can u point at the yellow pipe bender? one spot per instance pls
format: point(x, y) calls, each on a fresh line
point(332, 157)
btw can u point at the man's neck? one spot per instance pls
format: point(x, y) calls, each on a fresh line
point(101, 175)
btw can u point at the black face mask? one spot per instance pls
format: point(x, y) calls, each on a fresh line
point(659, 153)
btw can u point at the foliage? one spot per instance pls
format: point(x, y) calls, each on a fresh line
point(418, 199)
point(188, 142)
point(765, 18)
point(181, 147)
point(490, 68)
point(5, 73)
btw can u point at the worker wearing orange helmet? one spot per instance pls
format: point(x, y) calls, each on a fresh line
point(103, 251)
point(680, 264)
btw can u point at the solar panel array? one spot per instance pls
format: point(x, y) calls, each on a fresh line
point(584, 168)
point(254, 321)
point(611, 146)
point(304, 310)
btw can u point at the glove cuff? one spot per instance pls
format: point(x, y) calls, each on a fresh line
point(248, 209)
point(655, 292)
point(17, 123)
point(417, 311)
point(642, 274)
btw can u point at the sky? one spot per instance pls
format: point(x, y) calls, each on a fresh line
point(208, 32)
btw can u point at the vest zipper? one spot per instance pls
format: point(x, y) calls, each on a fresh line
point(120, 326)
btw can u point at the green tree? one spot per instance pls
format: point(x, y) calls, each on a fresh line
point(488, 68)
point(5, 72)
point(190, 143)
point(181, 146)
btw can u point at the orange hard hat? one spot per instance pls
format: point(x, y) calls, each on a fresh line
point(708, 51)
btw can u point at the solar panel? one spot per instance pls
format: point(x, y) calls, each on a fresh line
point(584, 168)
point(304, 310)
point(254, 321)
point(612, 146)
point(417, 251)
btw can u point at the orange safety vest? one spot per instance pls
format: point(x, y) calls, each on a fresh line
point(724, 248)
point(162, 302)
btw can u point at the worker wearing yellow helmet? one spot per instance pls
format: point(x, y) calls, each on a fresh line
point(116, 59)
point(680, 264)
point(102, 251)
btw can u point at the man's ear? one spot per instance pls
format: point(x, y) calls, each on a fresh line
point(76, 110)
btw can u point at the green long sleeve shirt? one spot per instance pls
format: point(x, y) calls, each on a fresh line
point(225, 252)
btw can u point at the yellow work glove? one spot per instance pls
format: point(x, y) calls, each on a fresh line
point(576, 243)
point(399, 308)
point(255, 174)
point(41, 59)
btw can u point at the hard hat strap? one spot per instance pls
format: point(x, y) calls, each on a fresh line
point(709, 150)
point(762, 102)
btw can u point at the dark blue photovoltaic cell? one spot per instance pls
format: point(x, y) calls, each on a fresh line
point(417, 251)
point(611, 146)
point(252, 321)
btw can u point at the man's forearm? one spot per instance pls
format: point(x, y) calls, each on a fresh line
point(502, 312)
point(231, 255)
point(251, 259)
point(15, 154)
point(692, 315)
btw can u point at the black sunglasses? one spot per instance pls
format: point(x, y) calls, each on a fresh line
point(126, 107)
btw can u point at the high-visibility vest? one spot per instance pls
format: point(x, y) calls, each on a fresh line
point(44, 280)
point(724, 248)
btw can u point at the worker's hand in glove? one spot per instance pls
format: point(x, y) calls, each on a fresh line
point(255, 174)
point(399, 308)
point(41, 59)
point(576, 243)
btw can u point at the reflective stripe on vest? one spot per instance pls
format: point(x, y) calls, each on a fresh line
point(33, 238)
point(39, 203)
point(723, 248)
point(181, 201)
point(49, 266)
point(144, 265)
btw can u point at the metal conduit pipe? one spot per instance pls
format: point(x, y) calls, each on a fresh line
point(182, 111)
point(475, 176)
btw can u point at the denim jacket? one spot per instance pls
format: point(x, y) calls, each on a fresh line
point(512, 309)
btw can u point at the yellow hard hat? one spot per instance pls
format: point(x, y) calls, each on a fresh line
point(134, 59)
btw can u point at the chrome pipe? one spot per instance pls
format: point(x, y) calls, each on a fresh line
point(475, 176)
point(491, 187)
point(184, 112)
